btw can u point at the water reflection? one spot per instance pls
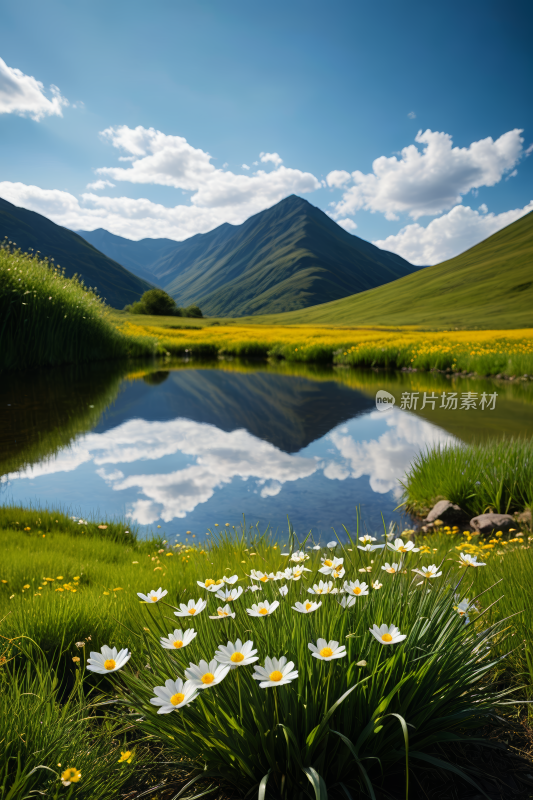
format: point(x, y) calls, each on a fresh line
point(188, 447)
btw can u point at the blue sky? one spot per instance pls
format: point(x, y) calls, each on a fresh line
point(322, 90)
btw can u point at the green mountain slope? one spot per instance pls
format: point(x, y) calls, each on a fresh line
point(285, 258)
point(138, 257)
point(31, 231)
point(490, 285)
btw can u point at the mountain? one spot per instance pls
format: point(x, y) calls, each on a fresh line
point(287, 257)
point(488, 286)
point(31, 231)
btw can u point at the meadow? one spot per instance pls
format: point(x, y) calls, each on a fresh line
point(69, 586)
point(480, 352)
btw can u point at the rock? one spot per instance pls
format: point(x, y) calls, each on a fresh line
point(485, 523)
point(449, 513)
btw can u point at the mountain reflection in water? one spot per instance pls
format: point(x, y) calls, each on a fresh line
point(188, 447)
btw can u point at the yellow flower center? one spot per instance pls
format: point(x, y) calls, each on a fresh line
point(178, 643)
point(176, 699)
point(237, 658)
point(391, 570)
point(318, 591)
point(263, 611)
point(357, 590)
point(221, 612)
point(263, 579)
point(208, 678)
point(326, 652)
point(153, 598)
point(110, 663)
point(328, 563)
point(402, 549)
point(387, 637)
point(192, 611)
point(276, 675)
point(210, 582)
point(308, 606)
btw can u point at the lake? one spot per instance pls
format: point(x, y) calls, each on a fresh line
point(187, 445)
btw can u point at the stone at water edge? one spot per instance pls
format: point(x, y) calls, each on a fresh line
point(449, 513)
point(485, 523)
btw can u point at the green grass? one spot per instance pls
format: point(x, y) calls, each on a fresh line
point(107, 567)
point(494, 476)
point(488, 286)
point(47, 319)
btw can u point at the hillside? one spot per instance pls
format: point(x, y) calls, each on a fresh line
point(138, 257)
point(488, 286)
point(288, 257)
point(31, 231)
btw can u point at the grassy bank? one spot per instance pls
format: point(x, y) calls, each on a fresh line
point(47, 319)
point(66, 582)
point(495, 476)
point(480, 352)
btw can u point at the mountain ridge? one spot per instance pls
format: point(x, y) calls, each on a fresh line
point(290, 256)
point(31, 231)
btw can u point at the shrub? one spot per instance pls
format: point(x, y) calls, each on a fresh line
point(158, 303)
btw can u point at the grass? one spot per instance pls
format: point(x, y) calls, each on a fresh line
point(64, 582)
point(487, 286)
point(48, 319)
point(494, 476)
point(481, 352)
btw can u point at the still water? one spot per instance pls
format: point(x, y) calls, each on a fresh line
point(185, 446)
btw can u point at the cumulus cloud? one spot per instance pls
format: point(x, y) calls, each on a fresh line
point(24, 95)
point(348, 224)
point(273, 157)
point(338, 178)
point(450, 234)
point(218, 195)
point(411, 115)
point(427, 181)
point(97, 185)
point(245, 166)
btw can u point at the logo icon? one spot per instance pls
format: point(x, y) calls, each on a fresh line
point(384, 400)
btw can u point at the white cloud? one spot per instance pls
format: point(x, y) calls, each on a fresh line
point(218, 195)
point(273, 157)
point(24, 95)
point(529, 150)
point(411, 115)
point(449, 235)
point(97, 185)
point(431, 181)
point(245, 166)
point(348, 224)
point(337, 178)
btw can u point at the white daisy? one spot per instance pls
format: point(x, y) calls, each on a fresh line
point(191, 609)
point(327, 651)
point(229, 595)
point(296, 573)
point(276, 672)
point(330, 563)
point(387, 634)
point(355, 588)
point(255, 575)
point(214, 587)
point(463, 608)
point(283, 590)
point(332, 545)
point(428, 572)
point(153, 596)
point(337, 573)
point(322, 587)
point(207, 584)
point(470, 561)
point(347, 602)
point(376, 585)
point(367, 539)
point(317, 547)
point(299, 557)
point(108, 660)
point(369, 548)
point(178, 639)
point(236, 655)
point(400, 546)
point(306, 608)
point(253, 588)
point(392, 569)
point(204, 675)
point(231, 580)
point(222, 613)
point(262, 609)
point(173, 695)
